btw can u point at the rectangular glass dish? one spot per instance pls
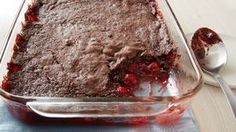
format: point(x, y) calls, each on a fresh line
point(168, 107)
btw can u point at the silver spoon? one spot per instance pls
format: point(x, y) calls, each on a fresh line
point(212, 56)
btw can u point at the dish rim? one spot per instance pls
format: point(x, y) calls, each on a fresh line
point(25, 99)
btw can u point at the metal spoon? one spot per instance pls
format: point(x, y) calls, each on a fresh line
point(212, 56)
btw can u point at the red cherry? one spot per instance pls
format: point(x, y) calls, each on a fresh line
point(122, 91)
point(15, 48)
point(13, 67)
point(131, 80)
point(31, 15)
point(154, 67)
point(163, 79)
point(19, 40)
point(5, 83)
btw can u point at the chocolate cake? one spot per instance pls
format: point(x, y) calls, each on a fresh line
point(90, 48)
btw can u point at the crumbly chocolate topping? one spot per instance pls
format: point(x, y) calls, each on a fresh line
point(72, 49)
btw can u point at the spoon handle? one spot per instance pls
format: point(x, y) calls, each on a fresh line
point(228, 92)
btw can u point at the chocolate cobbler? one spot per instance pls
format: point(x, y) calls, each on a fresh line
point(90, 48)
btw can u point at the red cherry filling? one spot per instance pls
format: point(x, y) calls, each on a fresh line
point(131, 80)
point(155, 70)
point(154, 67)
point(32, 18)
point(122, 91)
point(5, 83)
point(31, 14)
point(150, 71)
point(208, 36)
point(146, 68)
point(15, 49)
point(12, 67)
point(19, 40)
point(202, 39)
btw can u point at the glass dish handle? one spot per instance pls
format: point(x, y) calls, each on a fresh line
point(95, 109)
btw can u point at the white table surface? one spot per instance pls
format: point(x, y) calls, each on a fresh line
point(210, 106)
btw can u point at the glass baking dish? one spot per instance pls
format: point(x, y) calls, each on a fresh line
point(184, 82)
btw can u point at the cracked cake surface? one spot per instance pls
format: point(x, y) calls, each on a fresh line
point(74, 46)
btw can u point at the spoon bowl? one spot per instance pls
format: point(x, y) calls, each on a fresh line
point(215, 58)
point(211, 55)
